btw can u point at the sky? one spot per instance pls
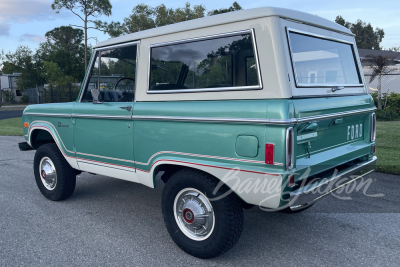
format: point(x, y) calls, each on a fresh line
point(25, 22)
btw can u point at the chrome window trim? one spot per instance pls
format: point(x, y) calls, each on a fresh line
point(182, 41)
point(307, 85)
point(137, 43)
point(292, 121)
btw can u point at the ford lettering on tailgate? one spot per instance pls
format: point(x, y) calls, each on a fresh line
point(354, 131)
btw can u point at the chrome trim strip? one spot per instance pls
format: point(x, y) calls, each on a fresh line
point(288, 30)
point(60, 115)
point(209, 119)
point(216, 120)
point(250, 120)
point(107, 117)
point(258, 87)
point(309, 194)
point(335, 115)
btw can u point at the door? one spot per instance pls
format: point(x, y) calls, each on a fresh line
point(103, 130)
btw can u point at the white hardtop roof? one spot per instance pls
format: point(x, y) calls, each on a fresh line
point(228, 18)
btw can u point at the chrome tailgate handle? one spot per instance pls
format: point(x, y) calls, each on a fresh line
point(128, 108)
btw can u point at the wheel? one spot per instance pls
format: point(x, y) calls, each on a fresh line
point(55, 178)
point(199, 222)
point(289, 211)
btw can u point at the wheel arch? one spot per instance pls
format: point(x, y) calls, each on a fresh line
point(170, 169)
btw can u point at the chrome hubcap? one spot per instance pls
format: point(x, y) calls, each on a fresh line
point(194, 214)
point(48, 173)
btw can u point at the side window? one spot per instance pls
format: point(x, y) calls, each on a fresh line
point(221, 62)
point(114, 74)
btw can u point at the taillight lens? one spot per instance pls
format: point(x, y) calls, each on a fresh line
point(373, 149)
point(269, 154)
point(373, 127)
point(289, 148)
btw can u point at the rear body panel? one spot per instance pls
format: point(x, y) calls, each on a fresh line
point(332, 141)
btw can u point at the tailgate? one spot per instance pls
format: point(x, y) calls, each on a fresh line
point(328, 141)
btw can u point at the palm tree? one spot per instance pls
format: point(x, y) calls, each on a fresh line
point(380, 67)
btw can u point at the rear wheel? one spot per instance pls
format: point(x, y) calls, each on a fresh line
point(54, 177)
point(199, 222)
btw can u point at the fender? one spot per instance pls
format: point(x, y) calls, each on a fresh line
point(49, 127)
point(253, 185)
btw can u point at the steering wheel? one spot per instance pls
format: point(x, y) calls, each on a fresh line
point(127, 78)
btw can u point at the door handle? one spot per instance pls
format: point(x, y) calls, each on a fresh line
point(128, 108)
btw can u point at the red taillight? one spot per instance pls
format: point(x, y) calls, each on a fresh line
point(291, 182)
point(373, 149)
point(269, 154)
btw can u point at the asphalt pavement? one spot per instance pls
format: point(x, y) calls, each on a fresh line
point(10, 114)
point(117, 223)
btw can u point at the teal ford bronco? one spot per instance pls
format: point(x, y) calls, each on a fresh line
point(263, 107)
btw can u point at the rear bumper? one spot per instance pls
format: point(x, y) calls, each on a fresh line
point(310, 193)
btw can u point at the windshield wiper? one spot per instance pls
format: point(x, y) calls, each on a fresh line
point(337, 88)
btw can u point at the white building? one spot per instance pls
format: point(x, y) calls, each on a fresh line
point(9, 82)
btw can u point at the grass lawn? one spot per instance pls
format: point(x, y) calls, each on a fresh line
point(388, 146)
point(11, 126)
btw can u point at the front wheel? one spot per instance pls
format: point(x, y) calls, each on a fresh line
point(201, 223)
point(54, 177)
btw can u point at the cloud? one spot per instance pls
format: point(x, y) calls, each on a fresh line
point(4, 29)
point(25, 11)
point(31, 38)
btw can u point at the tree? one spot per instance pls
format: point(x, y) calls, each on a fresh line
point(235, 7)
point(380, 67)
point(23, 60)
point(64, 47)
point(366, 36)
point(89, 8)
point(145, 17)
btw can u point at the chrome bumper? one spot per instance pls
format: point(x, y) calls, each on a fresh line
point(310, 193)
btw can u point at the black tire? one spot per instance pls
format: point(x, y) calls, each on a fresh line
point(289, 211)
point(228, 214)
point(65, 174)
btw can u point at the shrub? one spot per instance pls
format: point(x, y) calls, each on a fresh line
point(388, 114)
point(25, 99)
point(392, 110)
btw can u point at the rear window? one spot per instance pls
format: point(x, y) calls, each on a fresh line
point(318, 61)
point(219, 63)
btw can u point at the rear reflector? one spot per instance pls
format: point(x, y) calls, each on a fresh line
point(26, 124)
point(269, 154)
point(373, 149)
point(291, 182)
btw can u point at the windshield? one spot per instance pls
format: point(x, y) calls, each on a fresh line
point(322, 62)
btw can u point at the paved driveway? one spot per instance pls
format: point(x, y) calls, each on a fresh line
point(10, 114)
point(114, 222)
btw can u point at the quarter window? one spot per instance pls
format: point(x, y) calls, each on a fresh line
point(223, 62)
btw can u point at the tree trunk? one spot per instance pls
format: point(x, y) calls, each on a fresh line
point(379, 92)
point(86, 43)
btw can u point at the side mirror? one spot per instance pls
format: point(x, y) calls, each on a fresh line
point(96, 95)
